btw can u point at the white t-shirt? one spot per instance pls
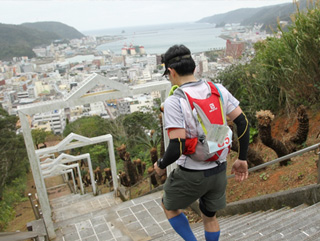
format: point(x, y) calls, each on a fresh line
point(175, 117)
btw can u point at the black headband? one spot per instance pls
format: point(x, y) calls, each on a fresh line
point(177, 59)
point(173, 60)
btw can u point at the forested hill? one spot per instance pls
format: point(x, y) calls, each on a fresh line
point(62, 30)
point(249, 16)
point(18, 40)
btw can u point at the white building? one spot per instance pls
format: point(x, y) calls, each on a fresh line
point(97, 108)
point(40, 52)
point(152, 60)
point(56, 119)
point(42, 87)
point(142, 103)
point(74, 113)
point(26, 68)
point(123, 105)
point(23, 94)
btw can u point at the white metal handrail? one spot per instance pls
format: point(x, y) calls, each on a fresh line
point(293, 154)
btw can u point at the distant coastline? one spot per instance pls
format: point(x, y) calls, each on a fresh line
point(199, 37)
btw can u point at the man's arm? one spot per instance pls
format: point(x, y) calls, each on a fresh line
point(240, 166)
point(174, 150)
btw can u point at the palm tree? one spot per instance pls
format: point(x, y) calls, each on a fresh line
point(293, 144)
point(151, 141)
point(129, 167)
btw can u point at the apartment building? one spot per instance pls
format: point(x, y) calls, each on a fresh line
point(123, 105)
point(56, 119)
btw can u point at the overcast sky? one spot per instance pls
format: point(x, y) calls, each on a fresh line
point(103, 14)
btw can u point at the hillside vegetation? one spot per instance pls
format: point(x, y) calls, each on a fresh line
point(18, 40)
point(268, 16)
point(63, 31)
point(285, 71)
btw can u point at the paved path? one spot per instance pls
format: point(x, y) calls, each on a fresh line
point(106, 218)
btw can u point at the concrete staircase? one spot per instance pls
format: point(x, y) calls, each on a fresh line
point(294, 224)
point(74, 205)
point(97, 218)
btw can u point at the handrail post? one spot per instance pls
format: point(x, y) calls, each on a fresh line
point(318, 165)
point(45, 227)
point(32, 205)
point(150, 184)
point(38, 211)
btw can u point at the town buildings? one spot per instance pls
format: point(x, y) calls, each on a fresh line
point(61, 67)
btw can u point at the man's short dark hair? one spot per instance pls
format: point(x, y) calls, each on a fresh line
point(178, 57)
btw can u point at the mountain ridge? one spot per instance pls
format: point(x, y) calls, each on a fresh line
point(268, 15)
point(19, 40)
point(63, 30)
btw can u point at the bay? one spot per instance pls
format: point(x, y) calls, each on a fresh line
point(156, 39)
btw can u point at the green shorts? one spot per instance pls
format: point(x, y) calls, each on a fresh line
point(184, 187)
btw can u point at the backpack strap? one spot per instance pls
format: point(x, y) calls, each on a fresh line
point(215, 86)
point(216, 91)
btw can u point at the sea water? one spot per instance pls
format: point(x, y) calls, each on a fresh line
point(156, 39)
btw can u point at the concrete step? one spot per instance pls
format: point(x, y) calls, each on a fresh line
point(284, 224)
point(71, 198)
point(277, 226)
point(100, 218)
point(290, 229)
point(78, 205)
point(310, 228)
point(242, 222)
point(314, 237)
point(264, 220)
point(137, 219)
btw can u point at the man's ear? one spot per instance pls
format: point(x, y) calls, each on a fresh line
point(173, 73)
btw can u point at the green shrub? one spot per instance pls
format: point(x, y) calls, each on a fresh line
point(285, 71)
point(12, 195)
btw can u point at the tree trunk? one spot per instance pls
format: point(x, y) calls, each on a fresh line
point(264, 124)
point(144, 166)
point(152, 177)
point(124, 179)
point(129, 167)
point(98, 175)
point(295, 142)
point(139, 167)
point(154, 155)
point(107, 172)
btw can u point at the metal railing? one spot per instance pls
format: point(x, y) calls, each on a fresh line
point(293, 154)
point(38, 216)
point(108, 184)
point(129, 189)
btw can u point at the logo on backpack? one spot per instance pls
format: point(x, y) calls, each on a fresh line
point(212, 107)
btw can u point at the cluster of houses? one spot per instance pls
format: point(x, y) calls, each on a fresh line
point(62, 66)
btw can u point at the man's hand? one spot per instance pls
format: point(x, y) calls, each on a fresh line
point(240, 170)
point(158, 170)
